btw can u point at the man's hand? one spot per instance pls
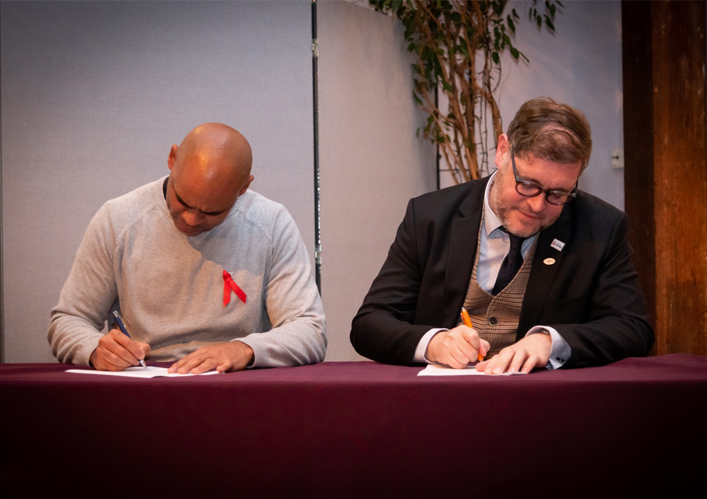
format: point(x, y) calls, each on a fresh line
point(457, 347)
point(230, 356)
point(524, 356)
point(115, 352)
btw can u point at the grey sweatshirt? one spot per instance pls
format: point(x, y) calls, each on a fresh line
point(171, 287)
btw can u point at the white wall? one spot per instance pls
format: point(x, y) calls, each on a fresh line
point(95, 93)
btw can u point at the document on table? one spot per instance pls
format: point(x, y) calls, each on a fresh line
point(440, 370)
point(139, 372)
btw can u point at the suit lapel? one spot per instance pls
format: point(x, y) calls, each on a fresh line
point(462, 249)
point(544, 269)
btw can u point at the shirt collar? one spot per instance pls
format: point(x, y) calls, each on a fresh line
point(491, 221)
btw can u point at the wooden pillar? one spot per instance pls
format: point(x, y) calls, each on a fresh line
point(665, 137)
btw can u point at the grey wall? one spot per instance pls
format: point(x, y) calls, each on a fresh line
point(580, 65)
point(371, 161)
point(95, 93)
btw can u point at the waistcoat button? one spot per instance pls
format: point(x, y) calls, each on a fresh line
point(493, 321)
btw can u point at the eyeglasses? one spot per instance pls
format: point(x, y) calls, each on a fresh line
point(530, 189)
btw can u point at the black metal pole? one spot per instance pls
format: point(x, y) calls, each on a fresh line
point(315, 106)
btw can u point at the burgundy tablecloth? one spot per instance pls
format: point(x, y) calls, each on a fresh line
point(637, 428)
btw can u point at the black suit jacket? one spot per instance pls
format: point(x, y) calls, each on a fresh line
point(590, 295)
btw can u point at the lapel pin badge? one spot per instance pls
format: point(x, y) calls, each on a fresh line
point(558, 245)
point(549, 261)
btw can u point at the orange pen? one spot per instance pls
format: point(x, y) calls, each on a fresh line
point(467, 322)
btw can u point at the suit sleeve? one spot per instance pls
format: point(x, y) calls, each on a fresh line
point(384, 329)
point(617, 324)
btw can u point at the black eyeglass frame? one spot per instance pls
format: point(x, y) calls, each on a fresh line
point(548, 192)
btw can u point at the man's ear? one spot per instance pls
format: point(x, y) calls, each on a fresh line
point(172, 157)
point(502, 148)
point(246, 185)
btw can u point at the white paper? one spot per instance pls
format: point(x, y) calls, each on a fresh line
point(440, 370)
point(139, 372)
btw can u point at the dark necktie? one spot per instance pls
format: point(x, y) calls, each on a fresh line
point(511, 264)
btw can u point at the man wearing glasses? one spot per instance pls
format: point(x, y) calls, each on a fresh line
point(543, 270)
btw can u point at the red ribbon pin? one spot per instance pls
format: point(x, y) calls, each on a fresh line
point(228, 285)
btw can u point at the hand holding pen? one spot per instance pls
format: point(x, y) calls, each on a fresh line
point(117, 351)
point(467, 322)
point(119, 321)
point(457, 347)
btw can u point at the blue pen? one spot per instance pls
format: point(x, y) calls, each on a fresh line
point(119, 321)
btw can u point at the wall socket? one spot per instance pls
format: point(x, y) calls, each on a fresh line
point(617, 159)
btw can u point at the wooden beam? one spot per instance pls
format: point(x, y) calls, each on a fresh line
point(665, 136)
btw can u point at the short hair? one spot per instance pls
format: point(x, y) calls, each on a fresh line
point(551, 131)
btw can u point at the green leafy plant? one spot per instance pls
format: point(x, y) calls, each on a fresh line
point(457, 47)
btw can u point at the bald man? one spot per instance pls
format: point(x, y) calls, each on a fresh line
point(207, 273)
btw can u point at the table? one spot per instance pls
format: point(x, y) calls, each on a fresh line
point(636, 428)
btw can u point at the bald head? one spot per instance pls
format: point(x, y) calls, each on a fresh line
point(209, 170)
point(215, 150)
